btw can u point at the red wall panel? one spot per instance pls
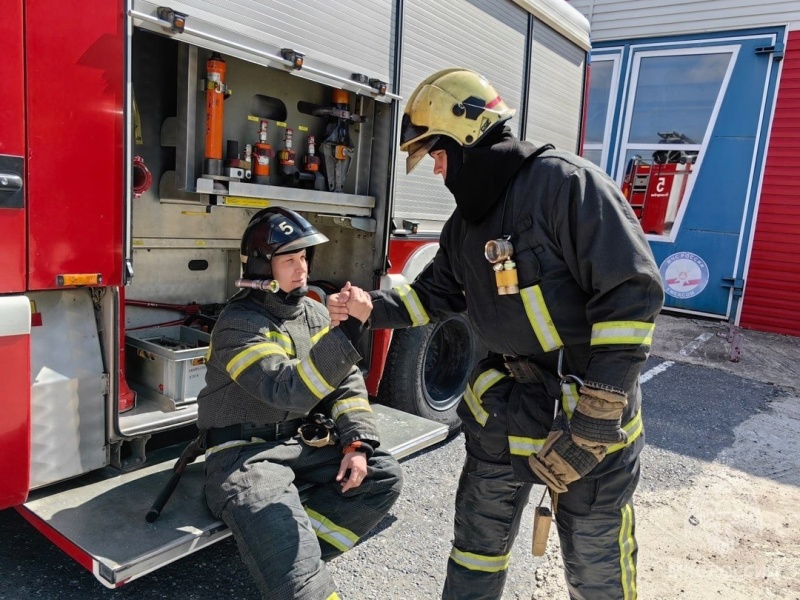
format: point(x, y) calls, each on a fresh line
point(771, 299)
point(12, 144)
point(75, 97)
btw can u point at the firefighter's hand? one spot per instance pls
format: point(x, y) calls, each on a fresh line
point(359, 303)
point(352, 470)
point(337, 305)
point(561, 460)
point(598, 417)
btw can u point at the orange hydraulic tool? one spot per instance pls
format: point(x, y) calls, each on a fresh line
point(311, 162)
point(216, 92)
point(286, 156)
point(263, 152)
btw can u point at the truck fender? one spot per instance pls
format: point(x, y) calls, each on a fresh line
point(427, 368)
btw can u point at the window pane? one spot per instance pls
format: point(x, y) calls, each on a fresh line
point(593, 155)
point(599, 88)
point(676, 94)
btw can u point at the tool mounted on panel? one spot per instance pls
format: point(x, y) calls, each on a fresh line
point(216, 93)
point(337, 148)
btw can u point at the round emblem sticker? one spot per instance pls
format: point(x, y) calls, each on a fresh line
point(685, 275)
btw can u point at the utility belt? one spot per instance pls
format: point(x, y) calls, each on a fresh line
point(524, 369)
point(269, 432)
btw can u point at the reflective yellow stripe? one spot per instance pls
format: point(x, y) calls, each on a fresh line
point(316, 337)
point(569, 398)
point(627, 549)
point(622, 332)
point(333, 596)
point(473, 394)
point(314, 381)
point(633, 428)
point(232, 444)
point(348, 405)
point(208, 352)
point(525, 446)
point(475, 407)
point(480, 562)
point(413, 305)
point(338, 537)
point(283, 340)
point(251, 355)
point(486, 380)
point(539, 318)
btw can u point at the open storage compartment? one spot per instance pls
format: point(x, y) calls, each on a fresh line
point(167, 364)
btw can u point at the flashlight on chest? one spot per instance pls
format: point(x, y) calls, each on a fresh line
point(499, 253)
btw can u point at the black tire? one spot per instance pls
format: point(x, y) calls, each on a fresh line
point(428, 368)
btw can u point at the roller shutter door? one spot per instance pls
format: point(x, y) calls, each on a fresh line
point(772, 286)
point(351, 35)
point(487, 36)
point(554, 105)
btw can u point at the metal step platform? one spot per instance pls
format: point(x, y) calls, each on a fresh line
point(99, 519)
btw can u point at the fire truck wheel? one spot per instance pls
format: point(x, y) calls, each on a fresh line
point(427, 370)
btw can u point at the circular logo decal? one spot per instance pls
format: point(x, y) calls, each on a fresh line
point(685, 275)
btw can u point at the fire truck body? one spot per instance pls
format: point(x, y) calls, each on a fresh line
point(137, 141)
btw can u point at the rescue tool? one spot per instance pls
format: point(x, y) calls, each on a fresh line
point(337, 148)
point(216, 93)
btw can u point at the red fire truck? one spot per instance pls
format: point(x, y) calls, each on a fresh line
point(136, 141)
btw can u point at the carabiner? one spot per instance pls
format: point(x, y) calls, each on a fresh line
point(566, 378)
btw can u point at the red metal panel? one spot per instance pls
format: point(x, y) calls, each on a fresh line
point(15, 406)
point(75, 74)
point(772, 293)
point(76, 553)
point(15, 402)
point(12, 143)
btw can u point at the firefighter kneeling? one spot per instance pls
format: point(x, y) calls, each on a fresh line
point(274, 360)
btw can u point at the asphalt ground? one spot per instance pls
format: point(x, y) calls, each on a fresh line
point(695, 398)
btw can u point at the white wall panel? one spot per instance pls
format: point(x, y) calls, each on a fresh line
point(623, 19)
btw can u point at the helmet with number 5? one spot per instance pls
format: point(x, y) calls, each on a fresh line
point(274, 231)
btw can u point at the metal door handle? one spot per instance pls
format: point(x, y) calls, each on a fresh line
point(10, 182)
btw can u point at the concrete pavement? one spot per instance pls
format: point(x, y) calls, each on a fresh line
point(765, 357)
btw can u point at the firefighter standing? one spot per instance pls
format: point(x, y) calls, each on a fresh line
point(565, 297)
point(273, 360)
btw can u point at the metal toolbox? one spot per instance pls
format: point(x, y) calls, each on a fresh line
point(167, 364)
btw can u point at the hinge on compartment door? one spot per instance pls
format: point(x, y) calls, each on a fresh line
point(176, 20)
point(777, 51)
point(128, 271)
point(734, 283)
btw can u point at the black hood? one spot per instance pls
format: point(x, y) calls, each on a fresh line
point(485, 171)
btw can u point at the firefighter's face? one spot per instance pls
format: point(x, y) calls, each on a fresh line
point(440, 163)
point(290, 270)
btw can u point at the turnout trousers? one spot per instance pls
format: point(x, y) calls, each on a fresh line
point(595, 518)
point(253, 488)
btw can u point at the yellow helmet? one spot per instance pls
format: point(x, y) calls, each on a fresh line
point(455, 102)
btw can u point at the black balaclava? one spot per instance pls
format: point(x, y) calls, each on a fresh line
point(491, 164)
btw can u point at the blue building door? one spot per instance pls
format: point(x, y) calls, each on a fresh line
point(682, 126)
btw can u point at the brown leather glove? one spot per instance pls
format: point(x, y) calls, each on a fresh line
point(598, 417)
point(562, 460)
